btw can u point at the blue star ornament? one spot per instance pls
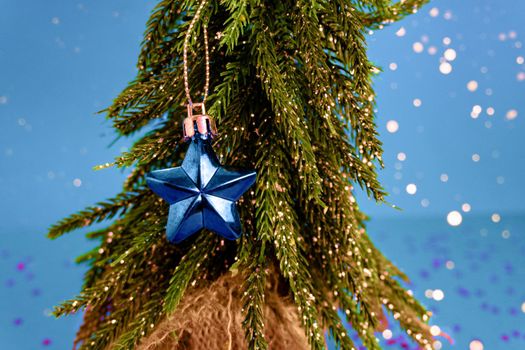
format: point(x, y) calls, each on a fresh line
point(201, 193)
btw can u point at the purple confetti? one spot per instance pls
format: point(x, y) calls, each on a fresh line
point(9, 283)
point(20, 266)
point(464, 292)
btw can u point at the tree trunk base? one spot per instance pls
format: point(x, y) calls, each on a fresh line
point(210, 318)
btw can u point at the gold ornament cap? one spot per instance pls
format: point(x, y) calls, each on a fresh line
point(200, 124)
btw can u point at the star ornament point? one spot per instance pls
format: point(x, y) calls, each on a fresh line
point(201, 193)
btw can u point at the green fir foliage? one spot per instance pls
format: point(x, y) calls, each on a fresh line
point(291, 91)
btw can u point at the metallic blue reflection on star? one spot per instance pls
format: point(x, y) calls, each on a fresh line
point(201, 193)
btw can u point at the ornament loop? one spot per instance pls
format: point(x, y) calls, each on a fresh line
point(201, 123)
point(206, 55)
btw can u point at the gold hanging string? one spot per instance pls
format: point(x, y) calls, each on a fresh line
point(206, 57)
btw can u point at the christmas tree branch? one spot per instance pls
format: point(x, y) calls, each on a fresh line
point(236, 23)
point(102, 211)
point(284, 100)
point(187, 269)
point(392, 12)
point(254, 289)
point(276, 222)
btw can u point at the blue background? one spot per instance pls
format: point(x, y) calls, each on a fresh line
point(61, 61)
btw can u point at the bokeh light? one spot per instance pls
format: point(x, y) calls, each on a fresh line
point(511, 114)
point(472, 85)
point(495, 218)
point(476, 345)
point(401, 32)
point(454, 218)
point(438, 295)
point(450, 54)
point(411, 189)
point(418, 47)
point(445, 68)
point(435, 330)
point(392, 126)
